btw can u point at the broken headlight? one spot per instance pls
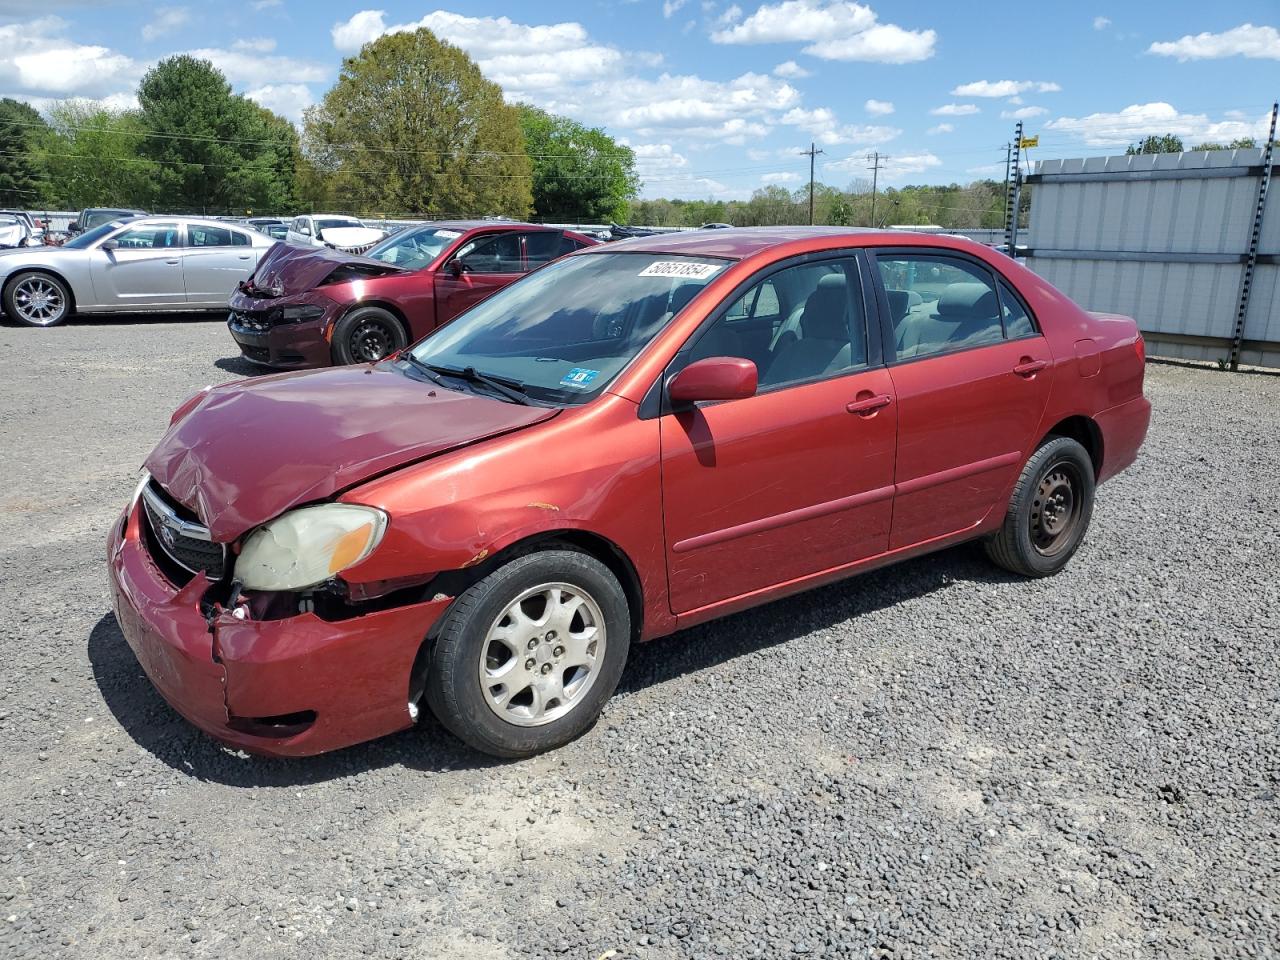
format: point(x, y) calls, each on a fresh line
point(306, 547)
point(304, 312)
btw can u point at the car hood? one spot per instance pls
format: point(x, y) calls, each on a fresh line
point(250, 450)
point(286, 270)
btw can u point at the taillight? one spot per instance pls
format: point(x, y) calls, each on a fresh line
point(1140, 348)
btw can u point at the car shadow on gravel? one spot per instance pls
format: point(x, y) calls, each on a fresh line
point(242, 367)
point(156, 728)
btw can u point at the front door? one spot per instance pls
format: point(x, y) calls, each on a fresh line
point(143, 270)
point(478, 268)
point(796, 479)
point(972, 377)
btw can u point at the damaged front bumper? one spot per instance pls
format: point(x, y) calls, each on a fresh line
point(264, 336)
point(291, 687)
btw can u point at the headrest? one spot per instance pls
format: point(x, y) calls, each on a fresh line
point(899, 303)
point(963, 301)
point(823, 317)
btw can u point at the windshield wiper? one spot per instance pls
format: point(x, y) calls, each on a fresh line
point(512, 390)
point(408, 357)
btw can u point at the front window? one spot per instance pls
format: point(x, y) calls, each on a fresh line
point(152, 236)
point(90, 237)
point(414, 249)
point(565, 332)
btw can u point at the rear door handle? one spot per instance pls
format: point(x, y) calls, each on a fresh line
point(1029, 368)
point(173, 262)
point(869, 405)
point(245, 257)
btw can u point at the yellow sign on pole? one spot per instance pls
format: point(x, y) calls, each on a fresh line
point(1029, 142)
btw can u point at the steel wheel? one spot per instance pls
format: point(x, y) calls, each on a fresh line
point(370, 341)
point(38, 301)
point(542, 654)
point(1054, 511)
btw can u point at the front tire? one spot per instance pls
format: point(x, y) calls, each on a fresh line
point(527, 656)
point(367, 335)
point(1049, 511)
point(36, 299)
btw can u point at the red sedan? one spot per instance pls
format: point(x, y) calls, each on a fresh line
point(316, 306)
point(634, 439)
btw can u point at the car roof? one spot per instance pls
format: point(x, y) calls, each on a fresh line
point(737, 243)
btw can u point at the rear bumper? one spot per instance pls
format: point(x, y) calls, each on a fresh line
point(1124, 428)
point(339, 683)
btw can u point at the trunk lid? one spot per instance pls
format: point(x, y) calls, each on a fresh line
point(250, 450)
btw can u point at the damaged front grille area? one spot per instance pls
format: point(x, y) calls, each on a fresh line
point(258, 321)
point(181, 540)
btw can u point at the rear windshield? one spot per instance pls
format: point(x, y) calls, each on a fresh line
point(329, 224)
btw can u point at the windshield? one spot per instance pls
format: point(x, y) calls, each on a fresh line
point(329, 224)
point(414, 249)
point(90, 237)
point(565, 331)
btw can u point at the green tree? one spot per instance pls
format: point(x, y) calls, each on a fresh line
point(92, 158)
point(413, 127)
point(22, 180)
point(1240, 143)
point(579, 173)
point(1164, 143)
point(216, 151)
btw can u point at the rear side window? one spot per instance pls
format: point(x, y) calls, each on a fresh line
point(202, 236)
point(239, 239)
point(541, 247)
point(568, 245)
point(939, 304)
point(1017, 323)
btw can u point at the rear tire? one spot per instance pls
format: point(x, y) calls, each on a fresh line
point(1049, 511)
point(35, 299)
point(526, 657)
point(366, 335)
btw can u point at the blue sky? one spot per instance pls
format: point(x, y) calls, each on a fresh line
point(718, 98)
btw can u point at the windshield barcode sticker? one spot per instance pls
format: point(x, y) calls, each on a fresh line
point(680, 268)
point(449, 234)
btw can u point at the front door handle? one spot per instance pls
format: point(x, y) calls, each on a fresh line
point(1029, 368)
point(245, 257)
point(173, 263)
point(869, 405)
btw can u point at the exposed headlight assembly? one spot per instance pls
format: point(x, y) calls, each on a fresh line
point(306, 547)
point(300, 313)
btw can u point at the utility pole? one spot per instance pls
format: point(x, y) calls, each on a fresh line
point(1008, 154)
point(813, 151)
point(874, 165)
point(1013, 197)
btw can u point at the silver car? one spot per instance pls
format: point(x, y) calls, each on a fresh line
point(147, 264)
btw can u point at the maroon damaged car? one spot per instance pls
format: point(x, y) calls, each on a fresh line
point(316, 307)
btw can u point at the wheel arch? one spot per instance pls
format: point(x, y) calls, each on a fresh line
point(593, 544)
point(72, 306)
point(1086, 432)
point(396, 314)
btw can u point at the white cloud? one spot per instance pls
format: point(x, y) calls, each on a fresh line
point(36, 59)
point(166, 20)
point(1003, 88)
point(781, 176)
point(823, 125)
point(834, 30)
point(893, 167)
point(252, 69)
point(941, 128)
point(955, 110)
point(1139, 119)
point(669, 7)
point(260, 5)
point(1015, 100)
point(286, 99)
point(791, 70)
point(987, 170)
point(653, 159)
point(352, 34)
point(878, 108)
point(255, 45)
point(1101, 23)
point(732, 14)
point(1257, 43)
point(1024, 113)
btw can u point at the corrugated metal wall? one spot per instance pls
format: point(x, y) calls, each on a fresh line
point(1162, 238)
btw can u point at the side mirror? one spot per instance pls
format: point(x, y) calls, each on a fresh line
point(458, 268)
point(714, 378)
point(111, 244)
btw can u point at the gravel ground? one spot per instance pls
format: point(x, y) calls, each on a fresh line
point(933, 760)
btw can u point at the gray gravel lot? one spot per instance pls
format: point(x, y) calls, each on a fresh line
point(933, 760)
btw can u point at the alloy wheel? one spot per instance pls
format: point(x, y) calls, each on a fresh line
point(38, 301)
point(542, 654)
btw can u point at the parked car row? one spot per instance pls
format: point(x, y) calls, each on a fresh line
point(625, 441)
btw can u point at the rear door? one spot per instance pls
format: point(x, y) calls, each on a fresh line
point(971, 373)
point(480, 266)
point(215, 259)
point(143, 270)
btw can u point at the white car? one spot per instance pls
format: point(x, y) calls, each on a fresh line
point(332, 230)
point(144, 264)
